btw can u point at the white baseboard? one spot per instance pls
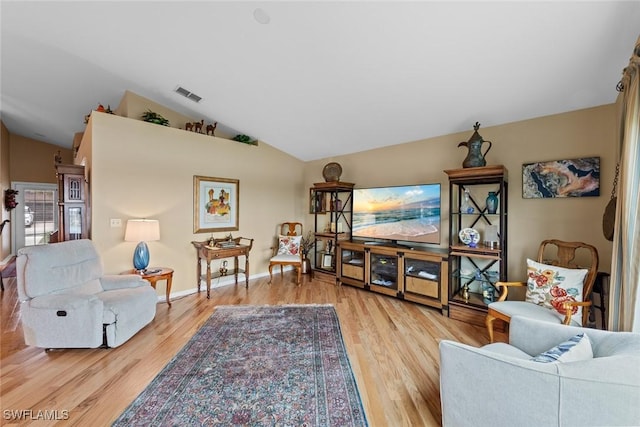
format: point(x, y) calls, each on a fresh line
point(215, 283)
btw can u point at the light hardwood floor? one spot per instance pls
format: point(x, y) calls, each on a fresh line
point(392, 346)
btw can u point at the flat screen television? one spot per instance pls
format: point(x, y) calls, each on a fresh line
point(403, 213)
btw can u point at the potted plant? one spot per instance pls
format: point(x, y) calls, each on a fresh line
point(151, 117)
point(306, 244)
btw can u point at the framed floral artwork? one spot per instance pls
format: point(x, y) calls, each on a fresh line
point(215, 204)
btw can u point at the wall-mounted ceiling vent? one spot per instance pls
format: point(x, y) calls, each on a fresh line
point(188, 94)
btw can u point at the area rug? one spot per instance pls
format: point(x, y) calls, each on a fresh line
point(9, 269)
point(256, 366)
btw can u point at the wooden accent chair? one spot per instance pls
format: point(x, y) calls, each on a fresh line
point(288, 251)
point(557, 288)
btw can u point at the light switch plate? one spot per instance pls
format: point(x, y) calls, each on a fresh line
point(116, 222)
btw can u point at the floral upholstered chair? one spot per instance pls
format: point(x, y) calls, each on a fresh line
point(558, 289)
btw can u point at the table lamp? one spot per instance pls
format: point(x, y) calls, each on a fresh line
point(142, 231)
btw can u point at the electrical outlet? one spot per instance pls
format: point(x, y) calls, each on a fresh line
point(116, 222)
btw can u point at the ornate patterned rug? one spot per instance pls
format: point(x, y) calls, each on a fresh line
point(256, 366)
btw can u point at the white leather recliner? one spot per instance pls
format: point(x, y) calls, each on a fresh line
point(67, 301)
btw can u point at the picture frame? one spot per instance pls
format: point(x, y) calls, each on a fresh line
point(216, 204)
point(561, 178)
point(327, 260)
point(317, 202)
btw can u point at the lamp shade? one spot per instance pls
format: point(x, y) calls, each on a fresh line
point(142, 230)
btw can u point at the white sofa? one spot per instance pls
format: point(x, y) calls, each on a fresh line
point(498, 385)
point(67, 301)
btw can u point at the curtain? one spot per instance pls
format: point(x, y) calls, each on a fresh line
point(624, 295)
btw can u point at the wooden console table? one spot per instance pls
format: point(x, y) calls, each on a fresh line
point(216, 249)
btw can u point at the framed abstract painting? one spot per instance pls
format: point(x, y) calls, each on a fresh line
point(561, 178)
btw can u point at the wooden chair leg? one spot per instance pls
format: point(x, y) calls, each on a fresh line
point(270, 274)
point(299, 269)
point(488, 321)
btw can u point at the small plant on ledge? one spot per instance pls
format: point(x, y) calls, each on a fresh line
point(245, 139)
point(151, 117)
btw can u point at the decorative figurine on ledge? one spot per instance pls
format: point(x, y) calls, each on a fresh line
point(100, 109)
point(195, 126)
point(475, 156)
point(223, 268)
point(212, 128)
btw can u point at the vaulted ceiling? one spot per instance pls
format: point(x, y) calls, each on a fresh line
point(313, 78)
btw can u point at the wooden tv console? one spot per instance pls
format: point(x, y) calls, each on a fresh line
point(414, 274)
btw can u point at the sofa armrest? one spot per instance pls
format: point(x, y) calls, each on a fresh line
point(480, 387)
point(535, 336)
point(119, 281)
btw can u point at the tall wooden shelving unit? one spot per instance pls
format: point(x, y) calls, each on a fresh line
point(335, 199)
point(473, 271)
point(73, 204)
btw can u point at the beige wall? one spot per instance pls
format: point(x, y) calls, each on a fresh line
point(576, 134)
point(33, 160)
point(25, 160)
point(143, 170)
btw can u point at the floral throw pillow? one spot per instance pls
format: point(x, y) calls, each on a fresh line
point(551, 286)
point(289, 245)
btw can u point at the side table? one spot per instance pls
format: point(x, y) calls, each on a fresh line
point(164, 273)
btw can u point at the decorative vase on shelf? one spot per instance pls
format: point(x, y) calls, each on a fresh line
point(492, 202)
point(466, 203)
point(488, 292)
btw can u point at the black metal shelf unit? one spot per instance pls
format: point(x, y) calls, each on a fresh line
point(477, 240)
point(334, 199)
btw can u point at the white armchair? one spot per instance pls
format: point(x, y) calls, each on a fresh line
point(499, 385)
point(67, 301)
